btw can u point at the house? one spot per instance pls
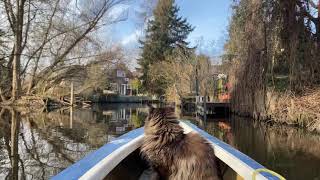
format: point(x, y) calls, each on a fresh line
point(120, 80)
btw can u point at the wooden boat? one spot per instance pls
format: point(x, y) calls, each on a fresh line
point(106, 162)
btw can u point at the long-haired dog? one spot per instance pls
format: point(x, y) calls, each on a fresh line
point(174, 155)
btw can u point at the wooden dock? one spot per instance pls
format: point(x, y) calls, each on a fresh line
point(213, 109)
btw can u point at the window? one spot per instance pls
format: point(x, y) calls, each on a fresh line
point(121, 73)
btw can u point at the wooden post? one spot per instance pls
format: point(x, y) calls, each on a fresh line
point(205, 107)
point(71, 117)
point(71, 94)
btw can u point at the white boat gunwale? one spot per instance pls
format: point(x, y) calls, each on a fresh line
point(92, 166)
point(99, 163)
point(236, 160)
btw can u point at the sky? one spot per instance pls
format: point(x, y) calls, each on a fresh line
point(209, 17)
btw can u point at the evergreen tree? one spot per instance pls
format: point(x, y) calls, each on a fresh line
point(165, 32)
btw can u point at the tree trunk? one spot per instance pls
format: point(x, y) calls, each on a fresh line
point(45, 40)
point(34, 71)
point(15, 125)
point(16, 86)
point(16, 83)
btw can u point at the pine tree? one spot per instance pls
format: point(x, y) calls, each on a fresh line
point(165, 32)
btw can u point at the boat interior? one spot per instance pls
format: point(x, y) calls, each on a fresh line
point(130, 168)
point(134, 167)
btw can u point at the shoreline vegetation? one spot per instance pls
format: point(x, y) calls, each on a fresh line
point(272, 59)
point(283, 108)
point(36, 102)
point(297, 110)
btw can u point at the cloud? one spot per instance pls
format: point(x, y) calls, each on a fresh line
point(119, 11)
point(132, 38)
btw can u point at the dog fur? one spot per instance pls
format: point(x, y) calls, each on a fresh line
point(173, 154)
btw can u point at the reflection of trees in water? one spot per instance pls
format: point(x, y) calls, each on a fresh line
point(124, 119)
point(282, 138)
point(136, 121)
point(88, 127)
point(46, 143)
point(37, 146)
point(222, 132)
point(138, 117)
point(284, 149)
point(9, 147)
point(292, 152)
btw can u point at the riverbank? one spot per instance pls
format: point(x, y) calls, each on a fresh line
point(286, 108)
point(35, 102)
point(299, 110)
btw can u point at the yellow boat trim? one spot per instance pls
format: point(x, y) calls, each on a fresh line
point(257, 171)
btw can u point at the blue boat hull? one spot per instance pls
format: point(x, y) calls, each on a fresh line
point(100, 163)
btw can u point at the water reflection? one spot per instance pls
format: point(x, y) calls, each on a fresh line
point(292, 152)
point(38, 145)
point(123, 118)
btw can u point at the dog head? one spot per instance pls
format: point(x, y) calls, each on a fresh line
point(159, 117)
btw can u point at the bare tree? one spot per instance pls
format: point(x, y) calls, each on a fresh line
point(15, 15)
point(91, 18)
point(45, 34)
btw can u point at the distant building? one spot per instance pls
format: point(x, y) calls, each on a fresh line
point(120, 81)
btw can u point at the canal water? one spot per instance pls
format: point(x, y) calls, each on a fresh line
point(40, 144)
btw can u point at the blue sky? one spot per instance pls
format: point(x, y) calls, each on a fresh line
point(209, 17)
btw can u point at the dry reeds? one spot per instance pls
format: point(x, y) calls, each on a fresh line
point(303, 110)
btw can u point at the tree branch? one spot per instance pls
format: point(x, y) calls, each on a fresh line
point(10, 15)
point(2, 98)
